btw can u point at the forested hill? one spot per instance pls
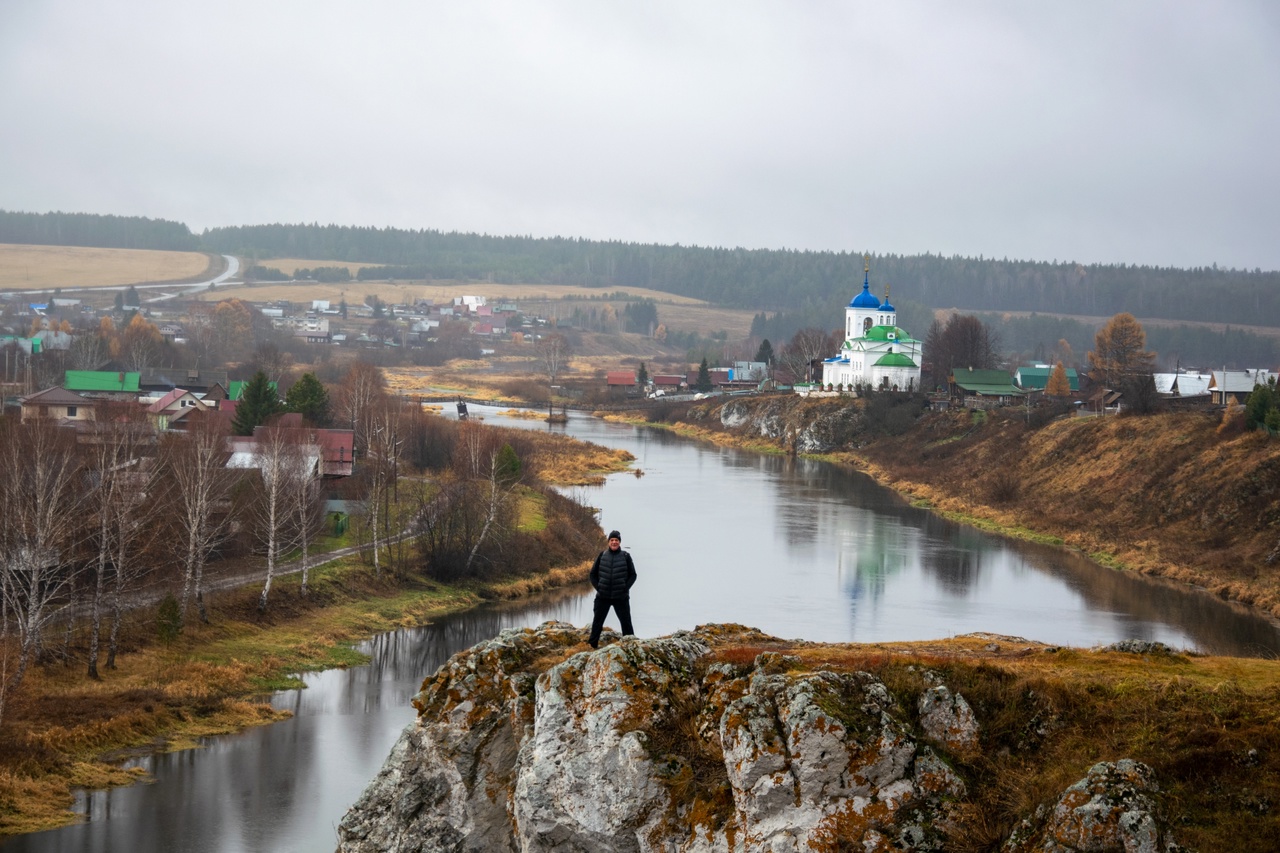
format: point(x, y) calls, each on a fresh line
point(780, 280)
point(801, 284)
point(98, 230)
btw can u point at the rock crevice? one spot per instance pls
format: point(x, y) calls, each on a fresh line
point(528, 743)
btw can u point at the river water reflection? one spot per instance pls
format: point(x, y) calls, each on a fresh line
point(793, 547)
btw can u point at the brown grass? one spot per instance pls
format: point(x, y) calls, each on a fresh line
point(436, 291)
point(1208, 726)
point(1165, 495)
point(46, 267)
point(62, 730)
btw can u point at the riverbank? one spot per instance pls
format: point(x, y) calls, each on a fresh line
point(64, 732)
point(1174, 495)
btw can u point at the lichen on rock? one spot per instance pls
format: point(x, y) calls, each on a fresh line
point(704, 741)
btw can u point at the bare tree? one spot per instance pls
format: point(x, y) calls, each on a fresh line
point(88, 351)
point(199, 484)
point(381, 463)
point(284, 464)
point(308, 515)
point(270, 360)
point(805, 347)
point(553, 352)
point(963, 341)
point(117, 489)
point(362, 388)
point(463, 521)
point(41, 499)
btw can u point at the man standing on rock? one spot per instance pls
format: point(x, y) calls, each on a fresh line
point(612, 576)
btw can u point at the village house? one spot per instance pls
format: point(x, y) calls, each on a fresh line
point(983, 389)
point(620, 382)
point(104, 384)
point(161, 380)
point(1036, 377)
point(174, 406)
point(1226, 385)
point(58, 404)
point(1183, 384)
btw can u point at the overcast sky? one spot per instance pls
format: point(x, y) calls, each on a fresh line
point(1137, 132)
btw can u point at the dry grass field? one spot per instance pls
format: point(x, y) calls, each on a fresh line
point(46, 267)
point(408, 291)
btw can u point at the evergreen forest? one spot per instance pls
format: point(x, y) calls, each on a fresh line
point(792, 289)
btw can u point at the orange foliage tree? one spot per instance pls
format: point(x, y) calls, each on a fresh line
point(1058, 385)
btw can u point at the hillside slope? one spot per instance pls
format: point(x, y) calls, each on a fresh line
point(1167, 494)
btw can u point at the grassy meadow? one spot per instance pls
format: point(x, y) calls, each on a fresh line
point(47, 267)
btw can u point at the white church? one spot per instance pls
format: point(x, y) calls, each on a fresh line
point(875, 353)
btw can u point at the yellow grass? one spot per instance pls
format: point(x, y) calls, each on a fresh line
point(436, 291)
point(46, 267)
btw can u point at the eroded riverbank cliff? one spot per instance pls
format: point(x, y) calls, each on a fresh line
point(725, 739)
point(1175, 494)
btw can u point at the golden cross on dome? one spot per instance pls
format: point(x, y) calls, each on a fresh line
point(866, 263)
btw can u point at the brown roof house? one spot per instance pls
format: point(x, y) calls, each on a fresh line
point(60, 404)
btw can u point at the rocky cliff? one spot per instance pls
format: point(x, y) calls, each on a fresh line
point(722, 739)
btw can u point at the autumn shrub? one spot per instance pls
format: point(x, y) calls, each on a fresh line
point(528, 389)
point(1004, 485)
point(168, 620)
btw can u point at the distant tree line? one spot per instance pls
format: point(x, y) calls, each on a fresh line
point(1039, 338)
point(90, 229)
point(811, 285)
point(779, 280)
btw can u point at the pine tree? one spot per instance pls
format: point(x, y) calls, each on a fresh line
point(765, 353)
point(643, 376)
point(258, 403)
point(1259, 404)
point(308, 398)
point(704, 377)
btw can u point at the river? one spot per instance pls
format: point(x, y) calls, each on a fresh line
point(794, 547)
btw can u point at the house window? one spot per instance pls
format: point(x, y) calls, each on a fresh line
point(71, 411)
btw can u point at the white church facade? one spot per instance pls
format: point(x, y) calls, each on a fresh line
point(875, 353)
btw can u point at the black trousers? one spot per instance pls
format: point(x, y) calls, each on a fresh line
point(621, 606)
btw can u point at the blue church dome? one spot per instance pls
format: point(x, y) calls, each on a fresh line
point(866, 299)
point(886, 306)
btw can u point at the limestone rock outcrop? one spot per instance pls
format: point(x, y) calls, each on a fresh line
point(705, 741)
point(1111, 809)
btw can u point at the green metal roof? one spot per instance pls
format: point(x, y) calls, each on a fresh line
point(101, 380)
point(894, 359)
point(1037, 378)
point(887, 333)
point(237, 388)
point(989, 383)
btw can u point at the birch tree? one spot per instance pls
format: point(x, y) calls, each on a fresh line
point(360, 393)
point(381, 464)
point(41, 498)
point(117, 490)
point(285, 466)
point(199, 484)
point(308, 516)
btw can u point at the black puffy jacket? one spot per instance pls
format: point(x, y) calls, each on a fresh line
point(613, 574)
